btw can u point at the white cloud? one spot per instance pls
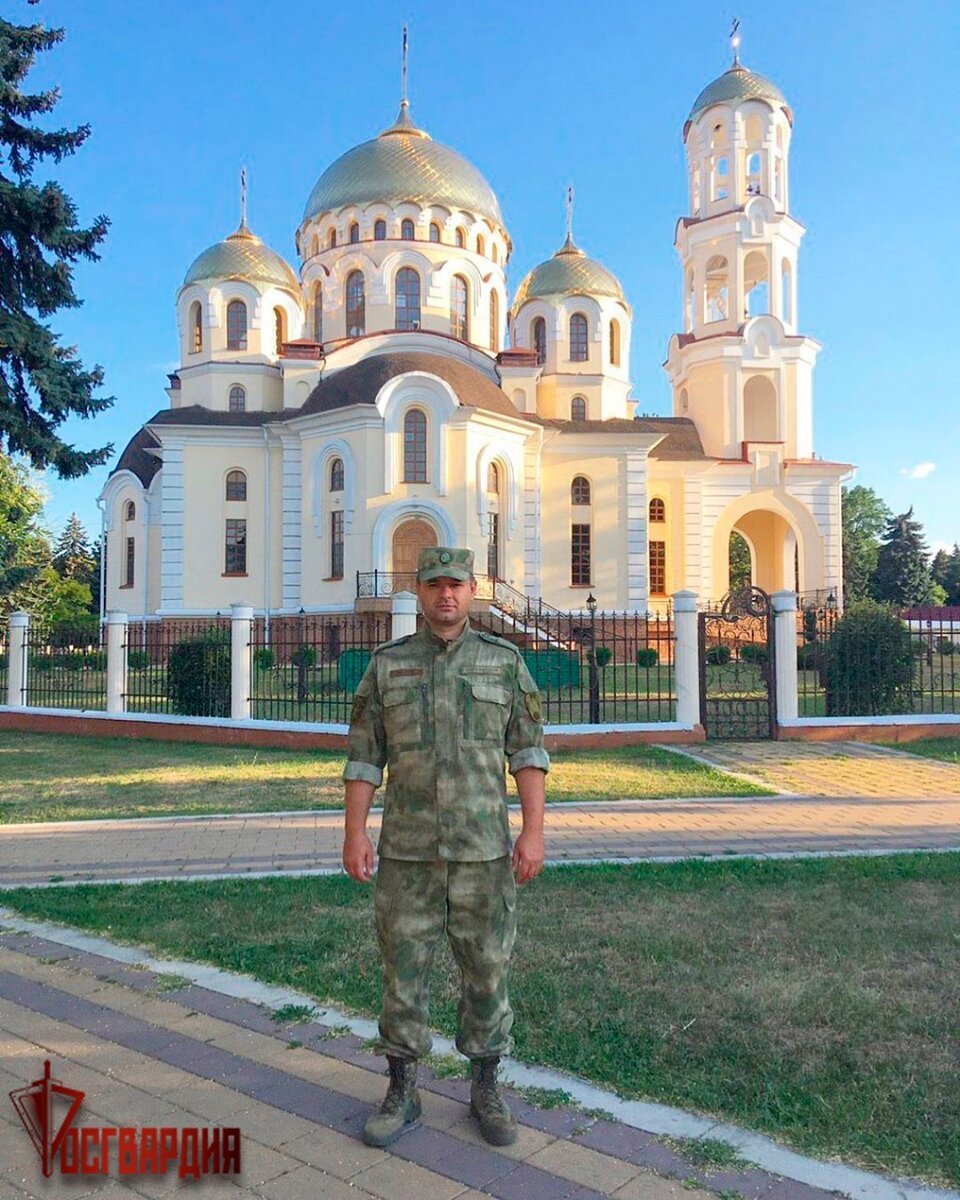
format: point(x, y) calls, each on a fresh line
point(920, 471)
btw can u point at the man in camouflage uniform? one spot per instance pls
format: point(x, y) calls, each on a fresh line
point(441, 710)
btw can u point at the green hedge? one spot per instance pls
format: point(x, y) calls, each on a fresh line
point(198, 676)
point(868, 663)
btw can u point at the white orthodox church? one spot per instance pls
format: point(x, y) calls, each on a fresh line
point(326, 424)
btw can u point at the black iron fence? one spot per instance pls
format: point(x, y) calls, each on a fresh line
point(876, 662)
point(311, 665)
point(66, 665)
point(594, 669)
point(179, 666)
point(381, 584)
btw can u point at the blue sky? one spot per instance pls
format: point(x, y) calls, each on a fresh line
point(181, 94)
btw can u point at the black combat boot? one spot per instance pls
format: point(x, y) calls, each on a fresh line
point(498, 1125)
point(401, 1105)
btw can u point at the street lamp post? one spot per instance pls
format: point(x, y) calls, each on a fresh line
point(592, 674)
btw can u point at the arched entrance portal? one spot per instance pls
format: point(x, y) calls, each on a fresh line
point(773, 546)
point(409, 538)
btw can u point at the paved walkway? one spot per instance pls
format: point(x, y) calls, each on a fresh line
point(854, 799)
point(299, 1096)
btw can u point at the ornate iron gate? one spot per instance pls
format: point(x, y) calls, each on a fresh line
point(737, 685)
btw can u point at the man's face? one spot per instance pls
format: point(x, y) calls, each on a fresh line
point(446, 602)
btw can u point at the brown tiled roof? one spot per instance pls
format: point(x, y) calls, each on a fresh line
point(136, 459)
point(197, 414)
point(681, 440)
point(361, 383)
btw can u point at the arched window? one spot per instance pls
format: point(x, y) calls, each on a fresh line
point(235, 547)
point(458, 308)
point(578, 409)
point(716, 289)
point(434, 232)
point(481, 244)
point(129, 511)
point(236, 325)
point(331, 239)
point(580, 554)
point(318, 312)
point(690, 304)
point(722, 178)
point(755, 284)
point(580, 490)
point(684, 402)
point(578, 338)
point(129, 566)
point(236, 485)
point(354, 232)
point(406, 230)
point(493, 521)
point(494, 320)
point(279, 326)
point(658, 510)
point(494, 252)
point(614, 343)
point(539, 339)
point(760, 410)
point(493, 478)
point(196, 327)
point(336, 544)
point(380, 230)
point(238, 399)
point(407, 299)
point(461, 238)
point(786, 293)
point(415, 447)
point(753, 173)
point(356, 305)
point(336, 475)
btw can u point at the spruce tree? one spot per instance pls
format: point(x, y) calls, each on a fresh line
point(72, 556)
point(903, 574)
point(946, 572)
point(42, 382)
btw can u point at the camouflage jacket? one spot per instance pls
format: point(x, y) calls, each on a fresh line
point(442, 717)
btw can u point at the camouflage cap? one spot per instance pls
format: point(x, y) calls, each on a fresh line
point(447, 562)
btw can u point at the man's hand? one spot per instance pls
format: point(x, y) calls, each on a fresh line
point(528, 856)
point(358, 857)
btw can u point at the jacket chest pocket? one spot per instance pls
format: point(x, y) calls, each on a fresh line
point(404, 716)
point(485, 709)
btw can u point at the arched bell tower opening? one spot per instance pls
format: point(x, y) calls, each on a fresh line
point(773, 549)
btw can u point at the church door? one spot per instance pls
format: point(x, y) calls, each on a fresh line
point(408, 540)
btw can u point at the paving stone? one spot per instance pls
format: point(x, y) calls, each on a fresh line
point(307, 1183)
point(472, 1165)
point(333, 1152)
point(528, 1142)
point(647, 1186)
point(583, 1165)
point(529, 1183)
point(394, 1179)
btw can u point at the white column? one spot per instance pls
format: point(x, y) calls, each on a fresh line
point(403, 613)
point(241, 624)
point(686, 664)
point(17, 659)
point(785, 652)
point(116, 662)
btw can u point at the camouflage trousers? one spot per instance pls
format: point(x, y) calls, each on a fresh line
point(475, 903)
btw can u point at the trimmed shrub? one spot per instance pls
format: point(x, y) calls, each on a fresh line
point(41, 662)
point(753, 652)
point(138, 660)
point(198, 676)
point(717, 656)
point(647, 657)
point(868, 663)
point(603, 655)
point(264, 659)
point(809, 658)
point(945, 646)
point(304, 656)
point(95, 660)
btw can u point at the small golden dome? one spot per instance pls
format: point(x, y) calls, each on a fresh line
point(403, 164)
point(243, 256)
point(569, 272)
point(737, 85)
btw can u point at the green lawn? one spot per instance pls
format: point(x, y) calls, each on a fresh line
point(816, 1001)
point(48, 777)
point(947, 749)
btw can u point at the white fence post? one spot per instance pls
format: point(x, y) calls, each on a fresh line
point(785, 652)
point(686, 658)
point(241, 654)
point(403, 614)
point(116, 662)
point(17, 659)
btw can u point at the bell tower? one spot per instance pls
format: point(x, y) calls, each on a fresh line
point(739, 368)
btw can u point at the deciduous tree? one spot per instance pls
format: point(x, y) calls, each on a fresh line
point(865, 517)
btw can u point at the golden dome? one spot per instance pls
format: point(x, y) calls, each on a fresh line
point(737, 85)
point(568, 273)
point(243, 256)
point(403, 164)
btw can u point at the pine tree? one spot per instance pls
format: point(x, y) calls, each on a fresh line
point(72, 556)
point(42, 383)
point(903, 574)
